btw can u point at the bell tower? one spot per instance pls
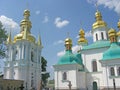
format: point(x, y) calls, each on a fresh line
point(24, 56)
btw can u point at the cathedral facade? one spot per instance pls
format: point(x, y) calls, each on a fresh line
point(95, 66)
point(24, 56)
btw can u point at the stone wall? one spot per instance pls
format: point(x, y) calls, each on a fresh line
point(7, 84)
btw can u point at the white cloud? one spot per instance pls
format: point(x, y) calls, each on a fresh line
point(45, 19)
point(87, 34)
point(9, 24)
point(111, 4)
point(59, 23)
point(58, 42)
point(74, 50)
point(37, 12)
point(61, 53)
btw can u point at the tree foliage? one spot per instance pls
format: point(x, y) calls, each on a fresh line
point(3, 37)
point(45, 76)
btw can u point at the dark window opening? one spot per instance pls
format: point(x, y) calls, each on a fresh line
point(102, 35)
point(64, 76)
point(112, 72)
point(94, 65)
point(96, 36)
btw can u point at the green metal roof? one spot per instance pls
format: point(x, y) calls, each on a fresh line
point(112, 53)
point(70, 58)
point(78, 55)
point(97, 44)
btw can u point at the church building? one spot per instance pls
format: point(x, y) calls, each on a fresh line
point(95, 66)
point(24, 56)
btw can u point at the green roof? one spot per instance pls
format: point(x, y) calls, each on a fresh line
point(97, 44)
point(78, 55)
point(70, 58)
point(112, 53)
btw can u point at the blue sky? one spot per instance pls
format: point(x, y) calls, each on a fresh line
point(54, 18)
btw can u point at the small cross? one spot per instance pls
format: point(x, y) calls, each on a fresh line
point(68, 34)
point(96, 5)
point(27, 5)
point(21, 87)
point(81, 25)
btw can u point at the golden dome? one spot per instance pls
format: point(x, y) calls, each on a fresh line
point(111, 32)
point(26, 22)
point(99, 22)
point(68, 41)
point(20, 36)
point(25, 29)
point(118, 33)
point(81, 32)
point(26, 12)
point(82, 39)
point(112, 35)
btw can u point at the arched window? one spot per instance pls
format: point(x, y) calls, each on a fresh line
point(118, 71)
point(102, 36)
point(94, 66)
point(95, 87)
point(96, 36)
point(112, 72)
point(64, 76)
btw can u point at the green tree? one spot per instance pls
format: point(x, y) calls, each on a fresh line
point(45, 75)
point(3, 37)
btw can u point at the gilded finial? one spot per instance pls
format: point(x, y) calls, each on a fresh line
point(96, 5)
point(39, 41)
point(82, 39)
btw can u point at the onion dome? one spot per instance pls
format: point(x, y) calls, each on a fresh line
point(112, 35)
point(82, 39)
point(68, 43)
point(69, 57)
point(99, 22)
point(26, 22)
point(114, 51)
point(25, 29)
point(78, 55)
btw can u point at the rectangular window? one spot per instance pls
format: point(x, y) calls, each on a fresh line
point(112, 71)
point(118, 71)
point(64, 76)
point(94, 66)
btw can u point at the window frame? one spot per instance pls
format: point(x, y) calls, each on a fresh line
point(64, 76)
point(112, 71)
point(94, 66)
